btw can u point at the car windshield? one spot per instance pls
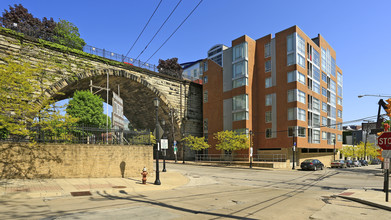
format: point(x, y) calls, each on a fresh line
point(309, 160)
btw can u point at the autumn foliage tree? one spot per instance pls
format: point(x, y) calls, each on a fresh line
point(196, 143)
point(231, 141)
point(170, 67)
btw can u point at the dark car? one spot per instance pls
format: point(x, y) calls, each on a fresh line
point(311, 164)
point(338, 164)
point(363, 162)
point(349, 163)
point(375, 162)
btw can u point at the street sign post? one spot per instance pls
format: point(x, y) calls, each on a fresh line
point(386, 153)
point(164, 143)
point(384, 141)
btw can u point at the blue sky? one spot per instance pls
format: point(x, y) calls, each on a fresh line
point(358, 31)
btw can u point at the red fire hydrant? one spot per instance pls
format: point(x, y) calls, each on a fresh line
point(144, 173)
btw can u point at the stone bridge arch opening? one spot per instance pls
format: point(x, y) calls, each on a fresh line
point(137, 95)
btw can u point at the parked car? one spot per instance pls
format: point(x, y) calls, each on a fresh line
point(375, 162)
point(356, 163)
point(349, 163)
point(363, 162)
point(311, 164)
point(338, 164)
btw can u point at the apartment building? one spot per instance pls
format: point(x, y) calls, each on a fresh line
point(286, 90)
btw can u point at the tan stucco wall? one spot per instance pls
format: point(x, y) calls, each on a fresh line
point(81, 161)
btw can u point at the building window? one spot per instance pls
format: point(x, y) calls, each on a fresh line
point(333, 69)
point(291, 95)
point(339, 138)
point(301, 114)
point(268, 133)
point(205, 125)
point(290, 59)
point(324, 135)
point(268, 66)
point(268, 82)
point(324, 121)
point(339, 101)
point(339, 78)
point(239, 69)
point(296, 95)
point(340, 91)
point(315, 104)
point(290, 43)
point(267, 50)
point(240, 82)
point(333, 86)
point(205, 96)
point(269, 100)
point(316, 73)
point(240, 102)
point(218, 59)
point(324, 77)
point(205, 79)
point(301, 96)
point(324, 92)
point(205, 66)
point(296, 131)
point(301, 60)
point(240, 51)
point(316, 57)
point(324, 107)
point(292, 114)
point(238, 116)
point(315, 136)
point(316, 87)
point(300, 44)
point(333, 99)
point(316, 120)
point(241, 131)
point(339, 114)
point(268, 116)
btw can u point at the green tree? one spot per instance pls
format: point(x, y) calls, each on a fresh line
point(88, 108)
point(230, 141)
point(170, 67)
point(196, 143)
point(67, 34)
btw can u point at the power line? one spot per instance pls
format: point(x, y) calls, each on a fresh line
point(142, 30)
point(159, 29)
point(174, 31)
point(324, 126)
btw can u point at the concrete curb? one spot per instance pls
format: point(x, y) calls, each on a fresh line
point(365, 202)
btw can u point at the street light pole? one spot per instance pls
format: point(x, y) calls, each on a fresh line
point(156, 104)
point(334, 147)
point(251, 149)
point(293, 147)
point(164, 150)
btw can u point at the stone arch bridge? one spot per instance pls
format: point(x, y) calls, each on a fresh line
point(71, 70)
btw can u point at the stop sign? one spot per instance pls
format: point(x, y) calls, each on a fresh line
point(384, 141)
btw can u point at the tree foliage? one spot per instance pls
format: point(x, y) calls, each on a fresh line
point(170, 67)
point(196, 143)
point(88, 108)
point(359, 150)
point(64, 32)
point(67, 34)
point(230, 141)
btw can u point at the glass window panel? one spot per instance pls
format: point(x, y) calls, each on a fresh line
point(290, 45)
point(240, 102)
point(316, 136)
point(300, 60)
point(268, 116)
point(301, 114)
point(268, 100)
point(316, 87)
point(267, 50)
point(316, 73)
point(301, 78)
point(268, 66)
point(206, 96)
point(290, 59)
point(240, 82)
point(268, 82)
point(300, 44)
point(238, 116)
point(316, 57)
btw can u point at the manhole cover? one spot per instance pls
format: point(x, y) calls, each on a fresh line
point(81, 193)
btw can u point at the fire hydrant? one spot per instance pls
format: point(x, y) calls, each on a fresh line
point(144, 173)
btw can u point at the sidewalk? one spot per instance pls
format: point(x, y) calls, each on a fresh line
point(40, 188)
point(375, 198)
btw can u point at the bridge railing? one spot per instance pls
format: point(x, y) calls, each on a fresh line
point(84, 135)
point(119, 57)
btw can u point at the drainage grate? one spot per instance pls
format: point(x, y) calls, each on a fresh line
point(81, 193)
point(119, 187)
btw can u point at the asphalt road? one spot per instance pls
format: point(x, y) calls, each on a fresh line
point(225, 193)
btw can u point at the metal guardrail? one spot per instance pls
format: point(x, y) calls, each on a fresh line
point(84, 135)
point(241, 157)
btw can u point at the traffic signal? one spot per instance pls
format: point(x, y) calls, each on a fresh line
point(388, 109)
point(380, 154)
